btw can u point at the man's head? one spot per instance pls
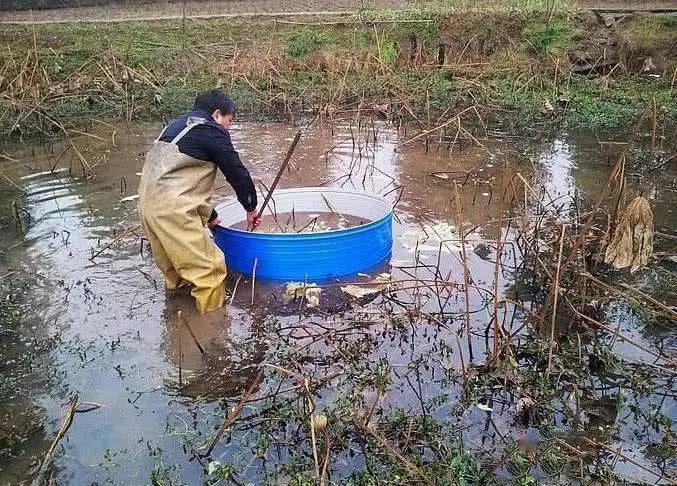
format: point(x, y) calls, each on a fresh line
point(218, 104)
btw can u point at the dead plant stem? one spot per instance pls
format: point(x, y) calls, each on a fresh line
point(554, 305)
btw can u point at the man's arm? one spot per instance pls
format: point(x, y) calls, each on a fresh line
point(220, 149)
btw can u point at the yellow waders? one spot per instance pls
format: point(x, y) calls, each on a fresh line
point(174, 207)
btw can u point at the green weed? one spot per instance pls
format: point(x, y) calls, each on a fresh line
point(388, 52)
point(550, 38)
point(163, 475)
point(10, 314)
point(666, 448)
point(223, 472)
point(301, 42)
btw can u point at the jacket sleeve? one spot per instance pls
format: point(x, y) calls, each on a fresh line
point(220, 149)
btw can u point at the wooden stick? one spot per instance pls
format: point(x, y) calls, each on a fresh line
point(313, 439)
point(570, 447)
point(190, 331)
point(393, 453)
point(460, 354)
point(623, 456)
point(623, 337)
point(234, 413)
point(17, 219)
point(12, 183)
point(333, 210)
point(667, 309)
point(607, 286)
point(7, 157)
point(115, 240)
point(466, 272)
point(65, 425)
point(325, 464)
point(237, 282)
point(256, 262)
point(180, 346)
point(311, 221)
point(428, 132)
point(285, 162)
point(498, 334)
point(556, 297)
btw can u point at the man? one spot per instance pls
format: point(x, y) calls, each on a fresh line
point(174, 197)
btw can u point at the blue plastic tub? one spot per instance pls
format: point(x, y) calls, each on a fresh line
point(312, 256)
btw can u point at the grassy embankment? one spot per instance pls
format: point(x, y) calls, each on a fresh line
point(521, 65)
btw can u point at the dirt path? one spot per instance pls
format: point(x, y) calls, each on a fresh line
point(205, 9)
point(245, 8)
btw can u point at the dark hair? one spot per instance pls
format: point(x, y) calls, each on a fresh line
point(213, 100)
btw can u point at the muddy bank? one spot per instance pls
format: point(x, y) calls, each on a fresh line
point(391, 371)
point(515, 67)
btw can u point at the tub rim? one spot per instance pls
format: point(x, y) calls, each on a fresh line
point(387, 208)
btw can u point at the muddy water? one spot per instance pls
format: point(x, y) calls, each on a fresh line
point(304, 222)
point(98, 323)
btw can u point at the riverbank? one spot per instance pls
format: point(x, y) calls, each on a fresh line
point(517, 66)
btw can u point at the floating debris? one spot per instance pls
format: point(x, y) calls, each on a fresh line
point(313, 296)
point(309, 291)
point(319, 421)
point(380, 283)
point(633, 239)
point(429, 238)
point(130, 198)
point(525, 409)
point(213, 467)
point(401, 263)
point(484, 407)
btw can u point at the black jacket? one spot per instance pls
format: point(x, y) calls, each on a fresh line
point(211, 142)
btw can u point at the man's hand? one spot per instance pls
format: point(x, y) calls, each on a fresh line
point(214, 222)
point(253, 220)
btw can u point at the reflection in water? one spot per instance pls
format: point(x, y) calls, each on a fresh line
point(120, 340)
point(558, 164)
point(209, 360)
